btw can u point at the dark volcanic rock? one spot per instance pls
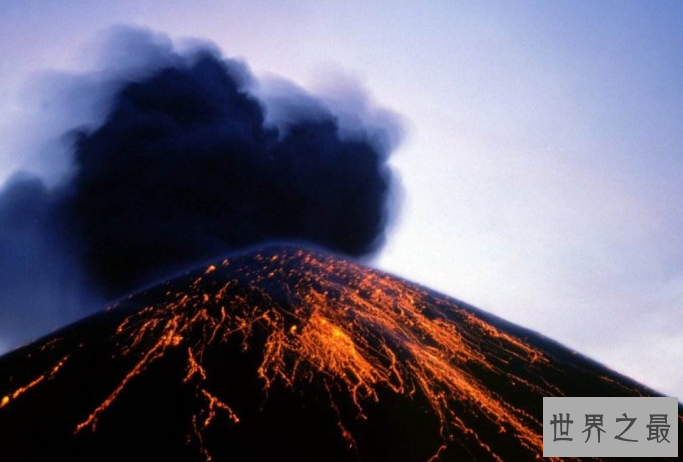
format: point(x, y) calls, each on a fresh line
point(287, 354)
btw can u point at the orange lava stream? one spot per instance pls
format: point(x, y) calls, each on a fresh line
point(35, 382)
point(346, 326)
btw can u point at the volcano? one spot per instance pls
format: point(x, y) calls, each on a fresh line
point(289, 354)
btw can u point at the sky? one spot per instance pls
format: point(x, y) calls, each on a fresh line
point(542, 169)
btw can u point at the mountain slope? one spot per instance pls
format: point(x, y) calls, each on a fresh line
point(291, 355)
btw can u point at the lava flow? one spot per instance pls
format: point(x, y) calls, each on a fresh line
point(244, 356)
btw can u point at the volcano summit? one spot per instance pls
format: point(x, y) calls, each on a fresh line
point(287, 354)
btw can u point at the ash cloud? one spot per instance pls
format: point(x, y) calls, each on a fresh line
point(191, 159)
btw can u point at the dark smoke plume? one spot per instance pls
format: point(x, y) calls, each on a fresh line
point(187, 164)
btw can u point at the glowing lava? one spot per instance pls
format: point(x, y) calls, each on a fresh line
point(359, 333)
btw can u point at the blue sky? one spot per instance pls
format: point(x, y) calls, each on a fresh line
point(543, 168)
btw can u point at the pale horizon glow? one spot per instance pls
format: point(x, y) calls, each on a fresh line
point(543, 167)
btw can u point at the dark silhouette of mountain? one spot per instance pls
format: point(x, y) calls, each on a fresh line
point(287, 354)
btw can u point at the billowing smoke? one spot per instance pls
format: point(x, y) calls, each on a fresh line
point(187, 163)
